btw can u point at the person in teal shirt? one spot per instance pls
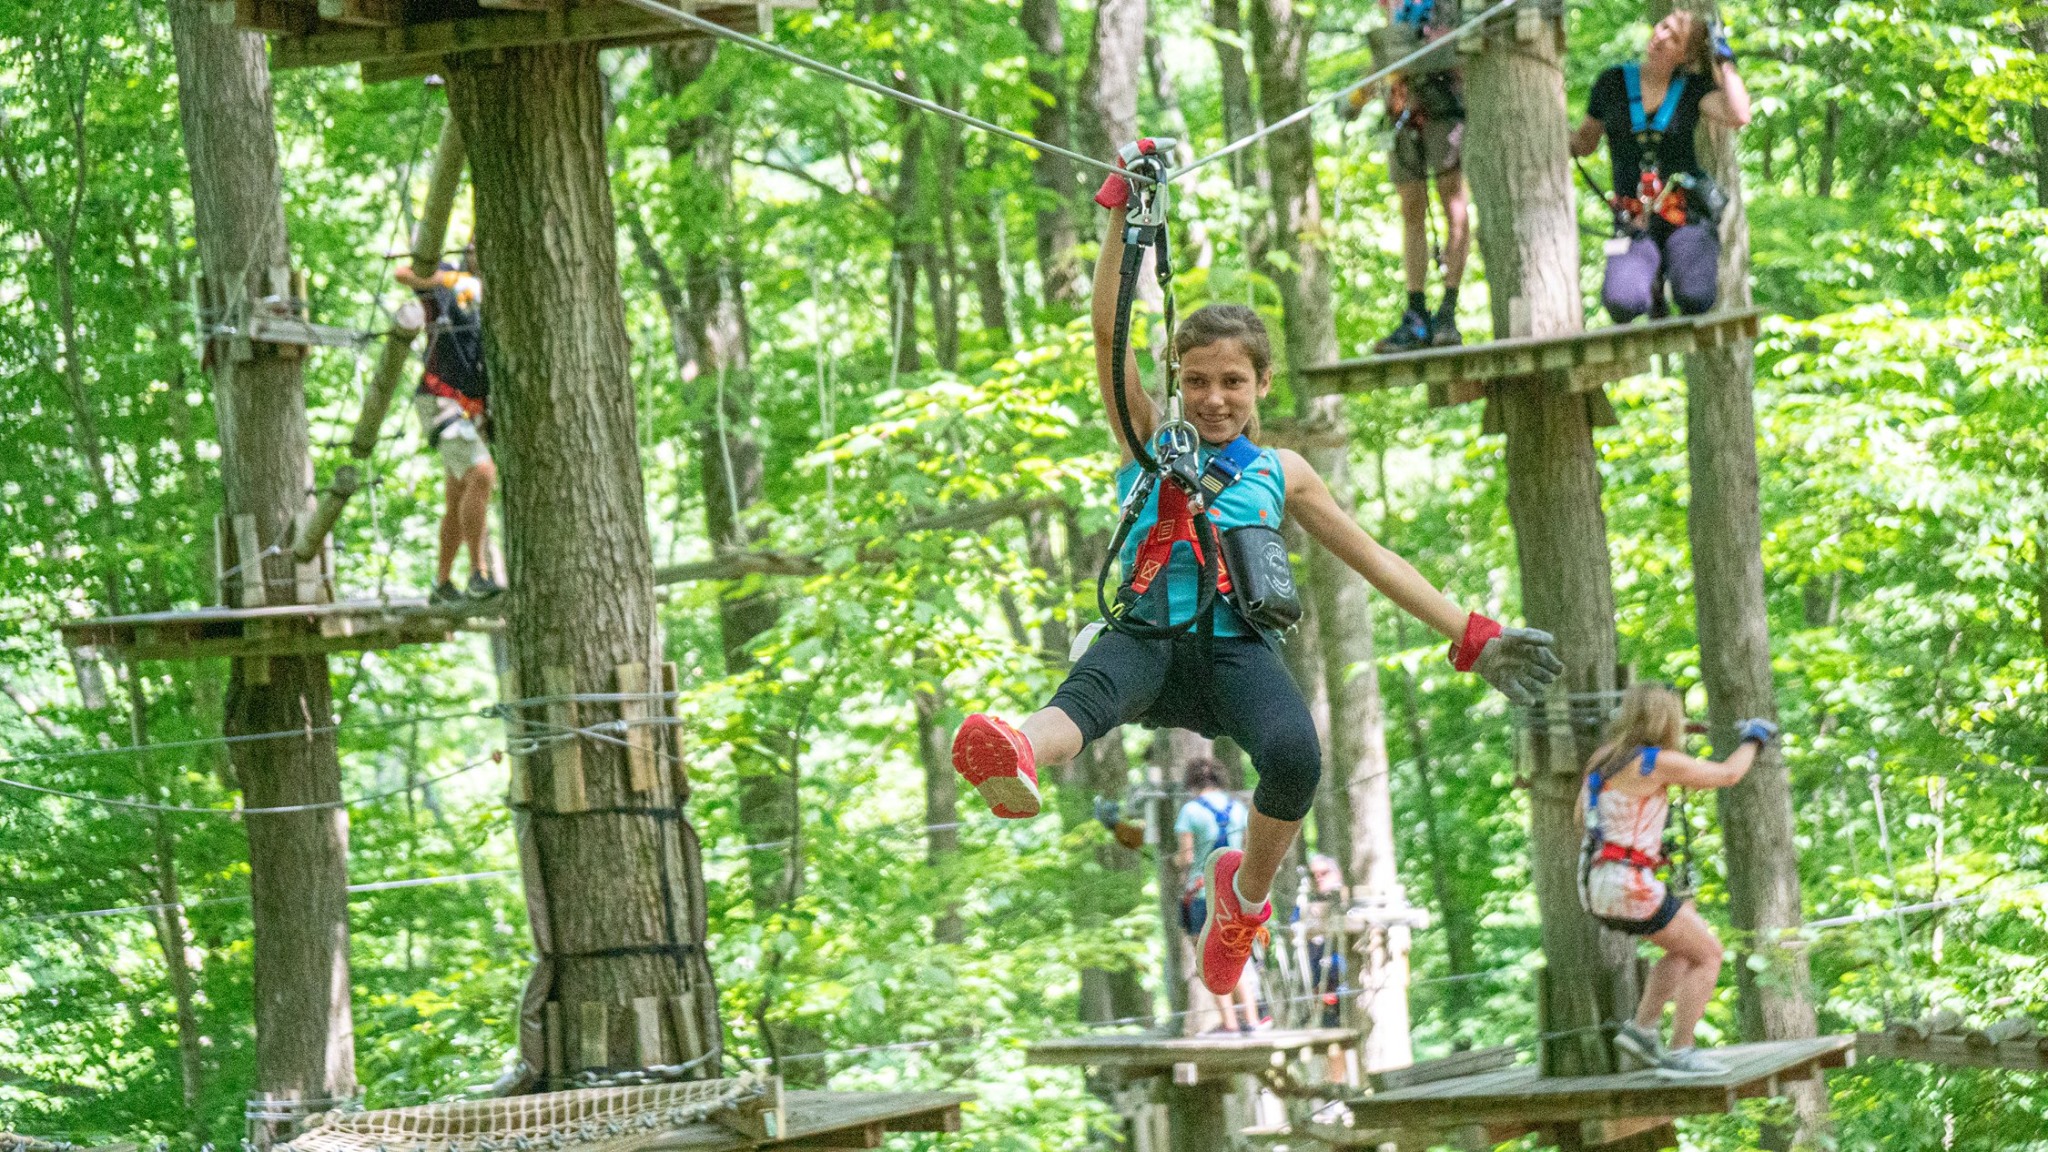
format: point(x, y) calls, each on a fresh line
point(1232, 682)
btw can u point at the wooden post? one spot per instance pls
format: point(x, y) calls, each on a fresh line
point(1198, 1114)
point(565, 759)
point(640, 740)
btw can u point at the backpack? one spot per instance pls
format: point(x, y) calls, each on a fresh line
point(1194, 902)
point(455, 344)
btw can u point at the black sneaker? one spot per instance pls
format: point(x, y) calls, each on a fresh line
point(482, 587)
point(1443, 331)
point(445, 593)
point(1410, 334)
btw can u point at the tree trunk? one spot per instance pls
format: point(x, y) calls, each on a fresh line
point(1058, 234)
point(1109, 84)
point(298, 862)
point(912, 246)
point(614, 880)
point(1235, 83)
point(172, 935)
point(2035, 34)
point(1725, 525)
point(1520, 173)
point(1358, 762)
point(1196, 250)
point(1830, 139)
point(941, 801)
point(1280, 39)
point(985, 251)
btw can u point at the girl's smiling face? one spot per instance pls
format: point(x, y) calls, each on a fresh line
point(1221, 389)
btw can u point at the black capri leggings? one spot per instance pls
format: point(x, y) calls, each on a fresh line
point(1243, 692)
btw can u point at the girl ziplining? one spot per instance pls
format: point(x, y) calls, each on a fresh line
point(1192, 636)
point(1667, 211)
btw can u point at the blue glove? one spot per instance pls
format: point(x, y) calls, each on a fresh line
point(1717, 37)
point(1761, 731)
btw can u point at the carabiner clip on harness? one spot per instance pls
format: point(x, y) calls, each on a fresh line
point(1651, 187)
point(1178, 457)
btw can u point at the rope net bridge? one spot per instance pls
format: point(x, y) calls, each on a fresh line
point(747, 1111)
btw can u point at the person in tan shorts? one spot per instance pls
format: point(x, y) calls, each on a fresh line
point(453, 406)
point(1427, 109)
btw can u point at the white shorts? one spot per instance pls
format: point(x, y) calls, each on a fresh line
point(460, 443)
point(1619, 890)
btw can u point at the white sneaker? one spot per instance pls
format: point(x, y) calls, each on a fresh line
point(1639, 1044)
point(1688, 1064)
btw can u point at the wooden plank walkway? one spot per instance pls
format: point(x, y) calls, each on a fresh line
point(1593, 357)
point(2025, 1055)
point(831, 1120)
point(1158, 1055)
point(278, 629)
point(1519, 1096)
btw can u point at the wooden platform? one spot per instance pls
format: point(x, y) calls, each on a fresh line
point(1518, 1098)
point(1592, 357)
point(278, 630)
point(1142, 1055)
point(1957, 1051)
point(832, 1120)
point(397, 38)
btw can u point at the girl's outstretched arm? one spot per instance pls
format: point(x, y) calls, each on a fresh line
point(1144, 414)
point(1518, 661)
point(1309, 501)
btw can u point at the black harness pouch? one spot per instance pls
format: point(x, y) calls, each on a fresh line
point(1262, 584)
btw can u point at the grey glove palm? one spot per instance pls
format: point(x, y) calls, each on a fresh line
point(1520, 663)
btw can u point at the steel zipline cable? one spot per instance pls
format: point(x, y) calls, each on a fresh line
point(1445, 43)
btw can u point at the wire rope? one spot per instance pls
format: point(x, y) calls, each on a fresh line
point(237, 813)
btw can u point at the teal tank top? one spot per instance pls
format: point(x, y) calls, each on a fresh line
point(1258, 497)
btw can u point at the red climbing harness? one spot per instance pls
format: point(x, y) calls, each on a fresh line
point(1175, 524)
point(1610, 852)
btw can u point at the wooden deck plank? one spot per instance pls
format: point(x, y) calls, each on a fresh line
point(278, 629)
point(331, 44)
point(1956, 1051)
point(1520, 1095)
point(1615, 346)
point(830, 1120)
point(1159, 1054)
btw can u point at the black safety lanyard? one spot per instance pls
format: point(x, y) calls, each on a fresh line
point(1178, 458)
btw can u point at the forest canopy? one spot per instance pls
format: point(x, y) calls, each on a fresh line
point(877, 483)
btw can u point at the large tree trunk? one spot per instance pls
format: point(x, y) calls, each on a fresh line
point(1109, 84)
point(1358, 762)
point(1058, 233)
point(1280, 38)
point(1528, 234)
point(298, 862)
point(1725, 525)
point(614, 880)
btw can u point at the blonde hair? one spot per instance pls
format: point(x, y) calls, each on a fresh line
point(1652, 715)
point(1692, 36)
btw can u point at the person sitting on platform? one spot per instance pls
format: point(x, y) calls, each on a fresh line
point(1222, 676)
point(1667, 211)
point(1213, 819)
point(1428, 113)
point(1626, 804)
point(453, 406)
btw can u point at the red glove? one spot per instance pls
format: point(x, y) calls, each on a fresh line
point(1478, 630)
point(1116, 190)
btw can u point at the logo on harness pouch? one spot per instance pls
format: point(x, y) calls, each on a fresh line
point(1275, 557)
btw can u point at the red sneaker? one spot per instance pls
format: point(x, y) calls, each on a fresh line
point(996, 759)
point(1229, 932)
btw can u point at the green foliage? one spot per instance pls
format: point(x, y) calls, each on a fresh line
point(1897, 227)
